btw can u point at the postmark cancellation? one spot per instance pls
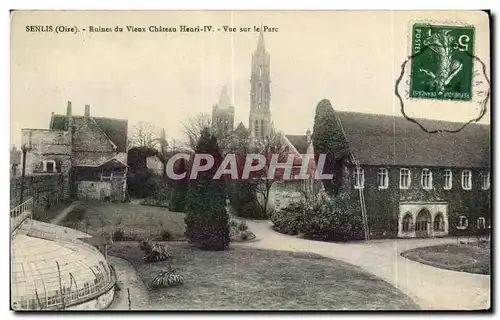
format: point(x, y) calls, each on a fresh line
point(443, 71)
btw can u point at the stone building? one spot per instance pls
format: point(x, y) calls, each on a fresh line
point(15, 161)
point(415, 184)
point(90, 151)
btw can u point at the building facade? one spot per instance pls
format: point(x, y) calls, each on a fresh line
point(415, 184)
point(90, 151)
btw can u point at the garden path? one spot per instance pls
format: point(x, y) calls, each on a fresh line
point(431, 288)
point(128, 278)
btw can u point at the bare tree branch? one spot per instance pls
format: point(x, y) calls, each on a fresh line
point(195, 125)
point(144, 135)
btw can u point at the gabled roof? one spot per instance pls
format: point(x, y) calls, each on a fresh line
point(241, 128)
point(393, 140)
point(299, 141)
point(115, 129)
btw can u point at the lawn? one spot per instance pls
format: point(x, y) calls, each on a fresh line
point(47, 215)
point(136, 221)
point(252, 279)
point(472, 258)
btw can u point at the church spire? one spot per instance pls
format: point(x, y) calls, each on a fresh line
point(261, 45)
point(224, 100)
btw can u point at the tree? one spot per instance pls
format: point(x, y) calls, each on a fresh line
point(272, 145)
point(259, 181)
point(328, 139)
point(206, 216)
point(163, 151)
point(197, 124)
point(179, 188)
point(144, 135)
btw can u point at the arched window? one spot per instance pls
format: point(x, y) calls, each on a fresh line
point(407, 222)
point(260, 95)
point(439, 222)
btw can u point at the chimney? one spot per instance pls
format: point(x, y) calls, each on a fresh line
point(69, 117)
point(87, 111)
point(308, 136)
point(68, 109)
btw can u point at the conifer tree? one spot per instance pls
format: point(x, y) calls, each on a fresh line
point(207, 221)
point(179, 188)
point(328, 139)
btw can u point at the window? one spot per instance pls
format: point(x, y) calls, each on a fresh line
point(106, 174)
point(260, 72)
point(466, 180)
point(262, 129)
point(260, 95)
point(118, 173)
point(448, 182)
point(485, 180)
point(426, 179)
point(407, 221)
point(359, 178)
point(404, 179)
point(14, 169)
point(383, 178)
point(481, 223)
point(439, 222)
point(49, 166)
point(463, 222)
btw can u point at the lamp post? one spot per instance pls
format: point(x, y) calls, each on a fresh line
point(24, 149)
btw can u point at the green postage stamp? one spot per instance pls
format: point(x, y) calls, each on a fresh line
point(442, 62)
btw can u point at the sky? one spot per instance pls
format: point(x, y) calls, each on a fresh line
point(351, 58)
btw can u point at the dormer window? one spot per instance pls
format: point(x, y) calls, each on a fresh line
point(49, 166)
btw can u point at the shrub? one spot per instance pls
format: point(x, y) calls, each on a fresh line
point(118, 235)
point(287, 220)
point(157, 252)
point(146, 245)
point(242, 226)
point(207, 221)
point(327, 136)
point(233, 223)
point(252, 210)
point(328, 219)
point(247, 235)
point(165, 235)
point(168, 278)
point(142, 182)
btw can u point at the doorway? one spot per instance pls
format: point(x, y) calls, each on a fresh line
point(422, 223)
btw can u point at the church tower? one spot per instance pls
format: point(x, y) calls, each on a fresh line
point(223, 114)
point(260, 93)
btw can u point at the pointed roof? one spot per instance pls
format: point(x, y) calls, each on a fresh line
point(224, 100)
point(241, 128)
point(261, 45)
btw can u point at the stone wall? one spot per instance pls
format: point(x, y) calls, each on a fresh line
point(46, 145)
point(284, 193)
point(46, 189)
point(383, 206)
